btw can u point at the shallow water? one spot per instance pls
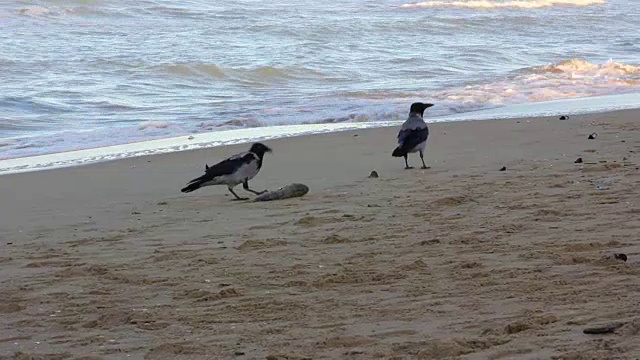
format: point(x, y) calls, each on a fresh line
point(92, 73)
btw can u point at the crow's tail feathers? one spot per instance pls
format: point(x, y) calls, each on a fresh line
point(192, 186)
point(399, 152)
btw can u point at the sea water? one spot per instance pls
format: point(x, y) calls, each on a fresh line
point(91, 76)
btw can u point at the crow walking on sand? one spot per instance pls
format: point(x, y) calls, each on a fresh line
point(238, 169)
point(413, 134)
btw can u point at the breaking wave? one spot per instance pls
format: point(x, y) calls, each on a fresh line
point(583, 67)
point(562, 80)
point(55, 11)
point(194, 70)
point(493, 4)
point(258, 74)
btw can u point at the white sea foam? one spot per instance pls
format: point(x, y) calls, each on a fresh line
point(489, 4)
point(35, 11)
point(154, 125)
point(159, 146)
point(566, 79)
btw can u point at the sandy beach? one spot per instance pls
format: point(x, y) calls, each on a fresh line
point(111, 261)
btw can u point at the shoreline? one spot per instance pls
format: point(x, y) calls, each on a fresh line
point(458, 261)
point(577, 106)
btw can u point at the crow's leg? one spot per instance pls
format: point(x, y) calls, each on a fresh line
point(245, 185)
point(422, 158)
point(406, 163)
point(236, 195)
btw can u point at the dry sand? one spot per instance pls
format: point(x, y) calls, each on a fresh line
point(111, 261)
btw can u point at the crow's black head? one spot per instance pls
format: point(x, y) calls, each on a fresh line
point(419, 108)
point(259, 149)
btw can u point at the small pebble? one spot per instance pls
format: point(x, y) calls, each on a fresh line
point(578, 161)
point(622, 257)
point(354, 352)
point(238, 353)
point(504, 168)
point(373, 174)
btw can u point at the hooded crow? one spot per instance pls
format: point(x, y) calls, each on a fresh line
point(413, 134)
point(239, 168)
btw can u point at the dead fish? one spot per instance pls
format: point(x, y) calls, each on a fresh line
point(285, 192)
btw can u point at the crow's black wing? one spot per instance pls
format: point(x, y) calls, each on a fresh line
point(410, 138)
point(225, 167)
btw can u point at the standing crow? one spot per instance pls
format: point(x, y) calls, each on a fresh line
point(413, 134)
point(239, 168)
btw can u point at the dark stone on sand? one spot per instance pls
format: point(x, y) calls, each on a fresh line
point(604, 329)
point(238, 353)
point(504, 168)
point(564, 117)
point(620, 256)
point(354, 352)
point(578, 161)
point(592, 136)
point(373, 174)
point(430, 242)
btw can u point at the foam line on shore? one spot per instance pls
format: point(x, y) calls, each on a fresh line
point(239, 136)
point(174, 144)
